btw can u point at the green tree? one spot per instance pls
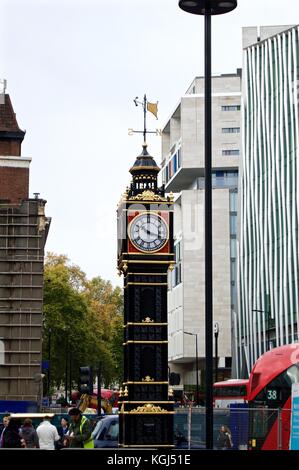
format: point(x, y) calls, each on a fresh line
point(106, 305)
point(82, 318)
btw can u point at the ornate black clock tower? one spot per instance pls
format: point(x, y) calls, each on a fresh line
point(145, 254)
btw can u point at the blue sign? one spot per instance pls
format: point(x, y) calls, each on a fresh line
point(45, 365)
point(45, 401)
point(294, 438)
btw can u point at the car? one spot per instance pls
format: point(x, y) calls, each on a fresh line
point(105, 433)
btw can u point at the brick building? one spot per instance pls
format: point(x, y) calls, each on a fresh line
point(23, 233)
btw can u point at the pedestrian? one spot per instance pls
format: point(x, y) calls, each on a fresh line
point(3, 426)
point(11, 437)
point(29, 435)
point(47, 434)
point(62, 431)
point(79, 433)
point(224, 439)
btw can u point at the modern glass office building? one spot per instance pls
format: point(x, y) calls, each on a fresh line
point(268, 272)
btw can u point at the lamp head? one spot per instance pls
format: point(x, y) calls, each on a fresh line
point(210, 7)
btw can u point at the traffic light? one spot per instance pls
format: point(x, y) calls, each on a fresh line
point(85, 380)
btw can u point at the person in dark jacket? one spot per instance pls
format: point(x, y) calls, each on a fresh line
point(28, 435)
point(3, 427)
point(224, 439)
point(62, 431)
point(11, 437)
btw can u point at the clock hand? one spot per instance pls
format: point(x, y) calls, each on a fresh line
point(155, 234)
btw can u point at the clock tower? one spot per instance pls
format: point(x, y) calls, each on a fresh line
point(145, 255)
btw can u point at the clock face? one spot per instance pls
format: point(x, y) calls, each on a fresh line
point(148, 232)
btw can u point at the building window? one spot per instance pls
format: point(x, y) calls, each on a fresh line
point(179, 158)
point(224, 179)
point(234, 107)
point(173, 165)
point(177, 271)
point(230, 130)
point(233, 197)
point(233, 224)
point(230, 152)
point(233, 248)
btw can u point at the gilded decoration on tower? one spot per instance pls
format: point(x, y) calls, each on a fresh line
point(148, 408)
point(147, 320)
point(148, 196)
point(148, 379)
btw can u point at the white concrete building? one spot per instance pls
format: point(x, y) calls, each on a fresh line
point(183, 174)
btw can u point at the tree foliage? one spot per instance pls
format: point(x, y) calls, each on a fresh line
point(82, 323)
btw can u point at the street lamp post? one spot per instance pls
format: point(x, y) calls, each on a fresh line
point(196, 353)
point(216, 334)
point(99, 407)
point(208, 8)
point(70, 373)
point(66, 329)
point(266, 332)
point(49, 365)
point(66, 366)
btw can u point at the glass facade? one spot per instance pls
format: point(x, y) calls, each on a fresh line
point(268, 288)
point(233, 216)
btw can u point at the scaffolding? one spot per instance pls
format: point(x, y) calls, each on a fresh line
point(23, 233)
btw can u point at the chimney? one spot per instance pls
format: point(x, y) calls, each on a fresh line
point(14, 169)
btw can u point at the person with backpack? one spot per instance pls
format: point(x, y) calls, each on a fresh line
point(79, 433)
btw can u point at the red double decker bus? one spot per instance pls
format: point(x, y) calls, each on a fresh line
point(269, 397)
point(230, 392)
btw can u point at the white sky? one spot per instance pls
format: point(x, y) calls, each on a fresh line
point(73, 68)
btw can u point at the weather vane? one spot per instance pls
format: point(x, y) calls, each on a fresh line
point(152, 108)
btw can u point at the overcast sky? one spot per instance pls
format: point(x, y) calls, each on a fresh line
point(73, 68)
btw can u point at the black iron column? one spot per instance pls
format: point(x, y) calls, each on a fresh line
point(208, 8)
point(208, 235)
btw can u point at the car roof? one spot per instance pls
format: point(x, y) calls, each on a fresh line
point(109, 417)
point(32, 415)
